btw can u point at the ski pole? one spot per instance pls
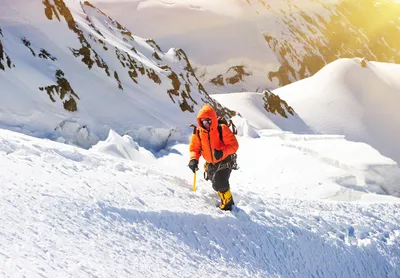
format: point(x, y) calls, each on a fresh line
point(194, 182)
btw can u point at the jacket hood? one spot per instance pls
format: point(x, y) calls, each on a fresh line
point(207, 112)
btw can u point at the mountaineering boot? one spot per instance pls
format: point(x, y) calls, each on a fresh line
point(226, 200)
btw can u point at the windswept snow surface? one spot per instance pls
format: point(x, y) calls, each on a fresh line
point(69, 212)
point(345, 98)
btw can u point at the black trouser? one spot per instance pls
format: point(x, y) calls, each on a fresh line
point(221, 180)
point(219, 175)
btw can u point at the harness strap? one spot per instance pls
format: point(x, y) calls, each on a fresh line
point(229, 162)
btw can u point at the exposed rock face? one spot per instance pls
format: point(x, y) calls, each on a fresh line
point(239, 73)
point(274, 104)
point(5, 60)
point(63, 90)
point(184, 81)
point(59, 9)
point(352, 29)
point(129, 62)
point(219, 80)
point(310, 34)
point(28, 45)
point(232, 76)
point(46, 55)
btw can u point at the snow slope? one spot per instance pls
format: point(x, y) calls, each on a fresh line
point(68, 70)
point(345, 98)
point(80, 213)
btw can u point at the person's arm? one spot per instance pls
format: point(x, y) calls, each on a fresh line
point(231, 144)
point(195, 146)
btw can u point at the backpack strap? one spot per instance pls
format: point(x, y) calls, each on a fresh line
point(234, 129)
point(196, 130)
point(220, 132)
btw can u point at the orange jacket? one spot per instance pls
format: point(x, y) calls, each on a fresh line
point(210, 139)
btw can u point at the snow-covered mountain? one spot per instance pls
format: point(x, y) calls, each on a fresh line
point(317, 191)
point(273, 42)
point(68, 70)
point(335, 29)
point(349, 97)
point(356, 99)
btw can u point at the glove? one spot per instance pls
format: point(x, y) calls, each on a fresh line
point(193, 165)
point(218, 154)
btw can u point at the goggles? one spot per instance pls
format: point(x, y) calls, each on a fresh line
point(206, 122)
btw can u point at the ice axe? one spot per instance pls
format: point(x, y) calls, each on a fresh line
point(194, 181)
point(194, 177)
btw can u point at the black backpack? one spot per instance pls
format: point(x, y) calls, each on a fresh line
point(223, 121)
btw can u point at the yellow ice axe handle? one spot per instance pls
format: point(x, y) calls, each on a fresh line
point(194, 182)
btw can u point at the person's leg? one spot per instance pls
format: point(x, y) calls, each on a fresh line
point(221, 180)
point(221, 185)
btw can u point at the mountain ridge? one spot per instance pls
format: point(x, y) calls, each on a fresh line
point(291, 40)
point(82, 57)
